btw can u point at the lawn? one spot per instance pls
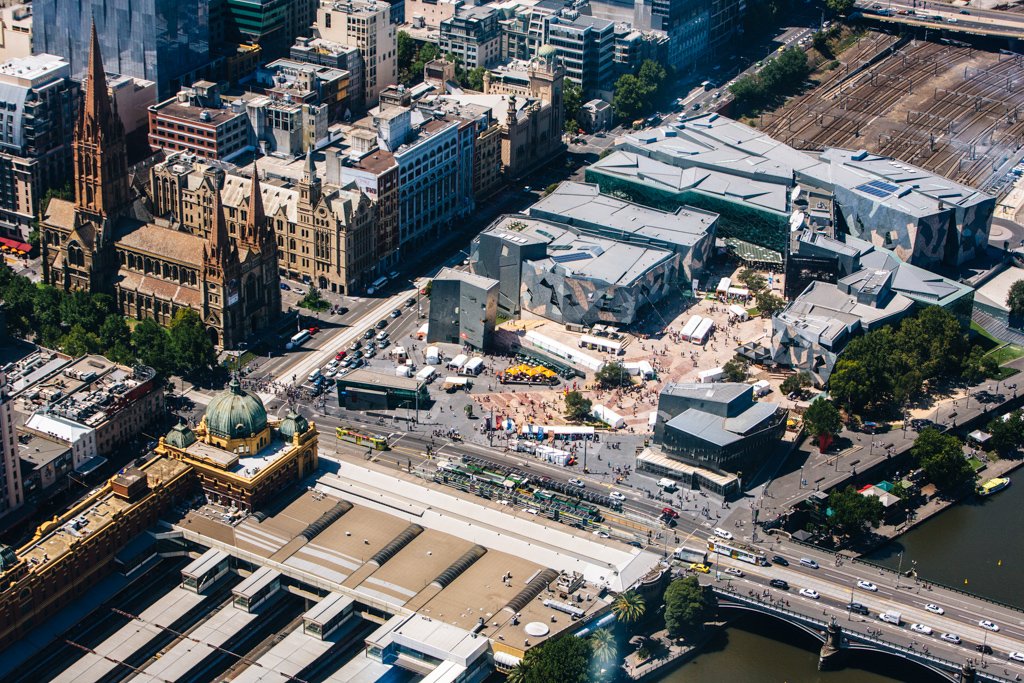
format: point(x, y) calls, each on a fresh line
point(1006, 353)
point(987, 340)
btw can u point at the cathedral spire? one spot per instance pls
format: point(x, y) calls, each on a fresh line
point(221, 244)
point(309, 185)
point(256, 221)
point(97, 100)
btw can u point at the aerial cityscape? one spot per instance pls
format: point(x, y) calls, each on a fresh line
point(548, 341)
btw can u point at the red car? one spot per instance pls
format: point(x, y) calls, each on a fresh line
point(314, 329)
point(669, 512)
point(339, 355)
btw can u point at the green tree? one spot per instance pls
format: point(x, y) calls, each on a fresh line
point(769, 304)
point(687, 606)
point(1007, 433)
point(475, 79)
point(654, 77)
point(613, 375)
point(565, 660)
point(840, 7)
point(46, 306)
point(1015, 300)
point(630, 97)
point(941, 456)
point(114, 332)
point(406, 48)
point(820, 42)
point(747, 90)
point(796, 382)
point(468, 408)
point(189, 345)
point(79, 308)
point(314, 300)
point(629, 607)
point(577, 407)
point(852, 513)
point(977, 366)
point(822, 421)
point(572, 100)
point(151, 345)
point(735, 370)
point(78, 342)
point(752, 280)
point(603, 643)
point(571, 127)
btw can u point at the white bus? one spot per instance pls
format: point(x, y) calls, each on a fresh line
point(297, 339)
point(377, 285)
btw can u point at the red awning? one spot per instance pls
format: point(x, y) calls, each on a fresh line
point(16, 245)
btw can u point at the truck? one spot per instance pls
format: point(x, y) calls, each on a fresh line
point(433, 355)
point(668, 484)
point(891, 617)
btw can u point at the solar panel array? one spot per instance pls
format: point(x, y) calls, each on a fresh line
point(878, 188)
point(565, 258)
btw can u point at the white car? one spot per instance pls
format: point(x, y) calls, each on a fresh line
point(602, 534)
point(615, 495)
point(868, 586)
point(951, 638)
point(577, 482)
point(1016, 656)
point(921, 628)
point(722, 533)
point(934, 609)
point(808, 593)
point(988, 625)
point(733, 571)
point(533, 511)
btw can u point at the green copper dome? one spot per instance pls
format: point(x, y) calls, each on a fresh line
point(180, 436)
point(546, 51)
point(292, 424)
point(235, 414)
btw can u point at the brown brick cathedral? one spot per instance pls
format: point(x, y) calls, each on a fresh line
point(105, 241)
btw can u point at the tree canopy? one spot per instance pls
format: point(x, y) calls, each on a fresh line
point(687, 606)
point(1015, 299)
point(796, 382)
point(735, 370)
point(577, 407)
point(629, 607)
point(613, 375)
point(635, 96)
point(941, 456)
point(840, 7)
point(412, 57)
point(852, 513)
point(822, 421)
point(1007, 433)
point(564, 659)
point(780, 77)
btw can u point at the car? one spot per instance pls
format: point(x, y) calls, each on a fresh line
point(383, 344)
point(808, 593)
point(368, 334)
point(615, 495)
point(963, 11)
point(780, 560)
point(722, 533)
point(346, 363)
point(370, 352)
point(696, 106)
point(313, 329)
point(284, 285)
point(298, 290)
point(333, 364)
point(381, 336)
point(983, 648)
point(868, 586)
point(636, 544)
point(527, 188)
point(381, 324)
point(533, 511)
point(396, 313)
point(602, 534)
point(700, 567)
point(371, 344)
point(733, 571)
point(988, 625)
point(1016, 656)
point(858, 608)
point(332, 372)
point(934, 609)
point(779, 583)
point(808, 562)
point(577, 482)
point(950, 638)
point(340, 355)
point(357, 355)
point(410, 302)
point(921, 628)
point(669, 512)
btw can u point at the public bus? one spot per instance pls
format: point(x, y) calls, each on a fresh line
point(742, 554)
point(205, 570)
point(297, 339)
point(377, 285)
point(377, 443)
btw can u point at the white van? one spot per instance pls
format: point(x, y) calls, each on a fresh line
point(722, 533)
point(433, 355)
point(473, 367)
point(808, 562)
point(313, 376)
point(426, 374)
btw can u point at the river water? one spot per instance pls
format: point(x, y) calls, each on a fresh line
point(978, 540)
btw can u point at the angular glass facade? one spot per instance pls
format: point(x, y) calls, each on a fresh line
point(159, 40)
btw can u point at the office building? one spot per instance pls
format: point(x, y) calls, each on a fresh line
point(473, 35)
point(15, 31)
point(158, 40)
point(241, 457)
point(325, 233)
point(596, 116)
point(431, 13)
point(364, 24)
point(290, 81)
point(342, 57)
point(96, 244)
point(463, 309)
point(12, 493)
point(196, 120)
point(132, 99)
point(38, 105)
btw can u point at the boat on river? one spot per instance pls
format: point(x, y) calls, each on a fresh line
point(994, 485)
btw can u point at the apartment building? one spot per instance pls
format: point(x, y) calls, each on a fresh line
point(343, 57)
point(365, 24)
point(431, 13)
point(196, 120)
point(473, 35)
point(15, 31)
point(12, 494)
point(38, 106)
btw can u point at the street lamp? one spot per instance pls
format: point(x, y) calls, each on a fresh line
point(899, 571)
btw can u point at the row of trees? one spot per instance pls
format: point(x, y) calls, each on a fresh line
point(413, 56)
point(768, 302)
point(780, 77)
point(78, 323)
point(891, 365)
point(1007, 433)
point(637, 96)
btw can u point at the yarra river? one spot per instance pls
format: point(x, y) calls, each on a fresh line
point(978, 540)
